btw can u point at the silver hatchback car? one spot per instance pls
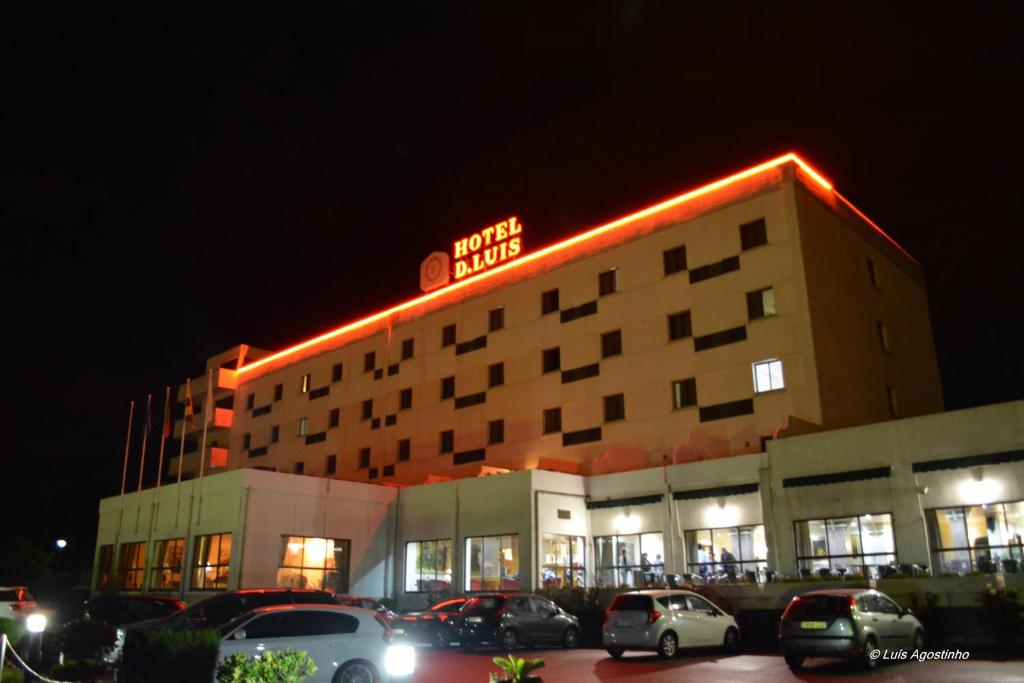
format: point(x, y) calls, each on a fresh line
point(665, 621)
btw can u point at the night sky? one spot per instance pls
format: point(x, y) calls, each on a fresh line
point(180, 178)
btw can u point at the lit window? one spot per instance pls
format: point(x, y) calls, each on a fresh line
point(684, 393)
point(211, 558)
point(632, 560)
point(729, 551)
point(855, 546)
point(761, 304)
point(317, 563)
point(428, 566)
point(492, 563)
point(305, 383)
point(105, 568)
point(564, 561)
point(981, 538)
point(303, 426)
point(131, 566)
point(768, 376)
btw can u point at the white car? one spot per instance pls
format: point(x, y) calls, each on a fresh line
point(665, 621)
point(348, 644)
point(16, 603)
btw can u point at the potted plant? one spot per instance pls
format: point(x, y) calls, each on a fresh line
point(516, 670)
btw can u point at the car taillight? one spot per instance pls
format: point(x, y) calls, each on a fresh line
point(790, 606)
point(853, 604)
point(442, 616)
point(428, 617)
point(500, 613)
point(653, 616)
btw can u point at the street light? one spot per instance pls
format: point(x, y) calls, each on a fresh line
point(35, 624)
point(61, 544)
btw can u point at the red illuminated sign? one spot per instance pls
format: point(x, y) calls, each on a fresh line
point(482, 250)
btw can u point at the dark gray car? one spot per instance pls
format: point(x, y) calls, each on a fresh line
point(507, 620)
point(848, 623)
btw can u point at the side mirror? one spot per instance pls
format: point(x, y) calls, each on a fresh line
point(239, 634)
point(905, 610)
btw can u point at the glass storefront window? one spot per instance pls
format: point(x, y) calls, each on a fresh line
point(727, 553)
point(211, 559)
point(428, 566)
point(168, 559)
point(630, 560)
point(131, 566)
point(846, 545)
point(564, 561)
point(105, 568)
point(310, 562)
point(492, 563)
point(983, 538)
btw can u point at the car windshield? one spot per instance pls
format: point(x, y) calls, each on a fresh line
point(448, 606)
point(486, 604)
point(821, 605)
point(631, 603)
point(8, 596)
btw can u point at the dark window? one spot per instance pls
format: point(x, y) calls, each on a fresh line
point(299, 467)
point(278, 391)
point(711, 270)
point(576, 312)
point(405, 399)
point(761, 304)
point(448, 335)
point(679, 326)
point(614, 408)
point(390, 420)
point(447, 387)
point(404, 448)
point(370, 361)
point(468, 456)
point(332, 464)
point(320, 393)
point(581, 436)
point(873, 273)
point(335, 417)
point(246, 441)
point(364, 458)
point(890, 398)
point(336, 372)
point(470, 400)
point(716, 339)
point(753, 234)
point(582, 372)
point(275, 433)
point(378, 374)
point(319, 437)
point(373, 473)
point(684, 393)
point(393, 369)
point(611, 344)
point(262, 410)
point(375, 423)
point(256, 452)
point(408, 346)
point(883, 336)
point(447, 441)
point(496, 375)
point(367, 409)
point(250, 401)
point(721, 411)
point(675, 260)
point(495, 431)
point(552, 420)
point(471, 345)
point(496, 319)
point(549, 302)
point(389, 471)
point(552, 359)
point(608, 282)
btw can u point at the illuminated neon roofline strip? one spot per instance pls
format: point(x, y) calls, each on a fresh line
point(559, 246)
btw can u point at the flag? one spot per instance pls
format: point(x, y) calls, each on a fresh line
point(190, 411)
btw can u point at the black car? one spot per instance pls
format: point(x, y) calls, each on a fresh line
point(127, 609)
point(433, 626)
point(508, 620)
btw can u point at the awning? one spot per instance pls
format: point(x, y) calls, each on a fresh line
point(838, 477)
point(624, 502)
point(968, 461)
point(716, 492)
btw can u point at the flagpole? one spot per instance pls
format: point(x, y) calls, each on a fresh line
point(127, 444)
point(164, 433)
point(210, 407)
point(181, 452)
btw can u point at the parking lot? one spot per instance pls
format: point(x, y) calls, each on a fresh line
point(585, 665)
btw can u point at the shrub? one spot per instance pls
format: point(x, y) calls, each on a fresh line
point(169, 656)
point(12, 674)
point(85, 639)
point(516, 670)
point(273, 666)
point(13, 629)
point(81, 670)
point(1001, 613)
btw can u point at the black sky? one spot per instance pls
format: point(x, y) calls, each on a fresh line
point(180, 178)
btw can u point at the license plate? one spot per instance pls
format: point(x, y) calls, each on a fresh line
point(623, 622)
point(813, 624)
point(398, 631)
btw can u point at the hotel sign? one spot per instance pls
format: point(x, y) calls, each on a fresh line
point(487, 248)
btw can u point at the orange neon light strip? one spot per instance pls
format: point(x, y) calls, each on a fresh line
point(565, 244)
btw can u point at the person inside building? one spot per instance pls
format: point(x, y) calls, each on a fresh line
point(729, 564)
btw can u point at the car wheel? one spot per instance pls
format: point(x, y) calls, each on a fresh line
point(616, 652)
point(866, 660)
point(668, 646)
point(441, 640)
point(918, 640)
point(509, 640)
point(571, 638)
point(794, 662)
point(731, 641)
point(356, 672)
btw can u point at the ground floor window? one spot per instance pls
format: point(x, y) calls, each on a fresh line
point(492, 563)
point(629, 561)
point(105, 568)
point(857, 546)
point(564, 561)
point(428, 566)
point(131, 566)
point(168, 559)
point(320, 563)
point(727, 553)
point(982, 538)
point(211, 557)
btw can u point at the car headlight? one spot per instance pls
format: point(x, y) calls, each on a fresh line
point(400, 660)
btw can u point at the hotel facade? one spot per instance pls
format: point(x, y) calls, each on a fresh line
point(634, 401)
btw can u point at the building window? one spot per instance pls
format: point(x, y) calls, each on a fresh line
point(768, 376)
point(629, 561)
point(495, 432)
point(278, 392)
point(552, 360)
point(684, 393)
point(131, 566)
point(405, 399)
point(303, 426)
point(315, 563)
point(564, 561)
point(675, 260)
point(883, 337)
point(372, 474)
point(492, 563)
point(549, 302)
point(611, 344)
point(614, 408)
point(246, 441)
point(890, 399)
point(428, 566)
point(364, 458)
point(447, 335)
point(336, 370)
point(496, 375)
point(275, 433)
point(334, 417)
point(105, 568)
point(250, 401)
point(552, 420)
point(388, 471)
point(211, 557)
point(761, 304)
point(408, 346)
point(977, 538)
point(679, 326)
point(496, 319)
point(447, 441)
point(404, 448)
point(306, 380)
point(367, 409)
point(753, 234)
point(447, 387)
point(299, 468)
point(873, 274)
point(727, 552)
point(608, 282)
point(854, 546)
point(332, 464)
point(370, 361)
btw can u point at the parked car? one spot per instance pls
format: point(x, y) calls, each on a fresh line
point(348, 645)
point(665, 621)
point(848, 623)
point(116, 610)
point(16, 602)
point(367, 603)
point(433, 626)
point(508, 620)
